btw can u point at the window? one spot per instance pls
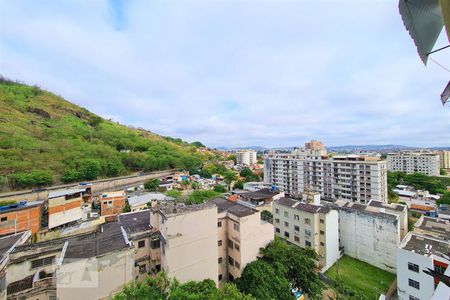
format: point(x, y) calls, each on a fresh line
point(236, 246)
point(286, 224)
point(277, 211)
point(286, 234)
point(220, 277)
point(296, 217)
point(414, 284)
point(230, 261)
point(141, 244)
point(230, 277)
point(413, 298)
point(219, 243)
point(286, 214)
point(413, 267)
point(219, 260)
point(307, 221)
point(322, 244)
point(322, 232)
point(3, 219)
point(230, 244)
point(236, 226)
point(296, 238)
point(307, 232)
point(277, 221)
point(37, 263)
point(237, 265)
point(307, 243)
point(219, 224)
point(322, 221)
point(142, 269)
point(296, 228)
point(440, 269)
point(277, 230)
point(154, 244)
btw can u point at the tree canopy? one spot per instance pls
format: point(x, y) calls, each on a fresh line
point(152, 185)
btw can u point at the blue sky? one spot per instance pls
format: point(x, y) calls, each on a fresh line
point(234, 73)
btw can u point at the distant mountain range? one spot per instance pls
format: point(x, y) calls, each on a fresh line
point(344, 148)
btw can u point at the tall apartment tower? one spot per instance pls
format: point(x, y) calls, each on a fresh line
point(246, 157)
point(444, 159)
point(414, 162)
point(349, 177)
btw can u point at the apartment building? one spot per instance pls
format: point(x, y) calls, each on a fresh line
point(427, 163)
point(353, 178)
point(246, 157)
point(112, 203)
point(372, 233)
point(241, 233)
point(21, 216)
point(444, 159)
point(261, 199)
point(65, 206)
point(423, 259)
point(308, 225)
point(188, 237)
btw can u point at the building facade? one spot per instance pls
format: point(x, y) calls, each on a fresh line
point(444, 159)
point(246, 157)
point(65, 206)
point(112, 203)
point(427, 163)
point(21, 216)
point(308, 225)
point(351, 177)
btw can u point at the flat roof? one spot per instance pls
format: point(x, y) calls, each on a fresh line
point(7, 242)
point(172, 209)
point(425, 245)
point(437, 226)
point(19, 206)
point(303, 206)
point(134, 222)
point(234, 208)
point(60, 193)
point(404, 193)
point(259, 194)
point(394, 206)
point(145, 198)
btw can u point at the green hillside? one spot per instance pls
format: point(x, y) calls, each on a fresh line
point(45, 139)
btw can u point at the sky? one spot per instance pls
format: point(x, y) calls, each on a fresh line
point(234, 73)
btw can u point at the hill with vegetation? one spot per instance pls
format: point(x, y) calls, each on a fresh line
point(45, 139)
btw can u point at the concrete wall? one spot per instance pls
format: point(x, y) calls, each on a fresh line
point(331, 239)
point(190, 251)
point(370, 238)
point(95, 278)
point(21, 220)
point(98, 186)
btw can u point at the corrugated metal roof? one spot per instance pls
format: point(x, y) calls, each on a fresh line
point(60, 193)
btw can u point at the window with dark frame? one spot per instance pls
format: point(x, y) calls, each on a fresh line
point(413, 283)
point(141, 244)
point(413, 267)
point(37, 263)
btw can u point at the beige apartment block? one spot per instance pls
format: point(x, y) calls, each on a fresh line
point(308, 225)
point(189, 241)
point(241, 233)
point(354, 178)
point(444, 159)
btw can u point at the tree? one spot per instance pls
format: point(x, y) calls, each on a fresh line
point(229, 177)
point(266, 215)
point(195, 185)
point(198, 144)
point(443, 172)
point(220, 188)
point(127, 207)
point(265, 281)
point(153, 287)
point(245, 172)
point(152, 184)
point(174, 194)
point(445, 199)
point(198, 197)
point(114, 168)
point(35, 178)
point(239, 185)
point(89, 168)
point(70, 175)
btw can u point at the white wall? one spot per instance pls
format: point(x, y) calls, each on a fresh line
point(331, 239)
point(64, 217)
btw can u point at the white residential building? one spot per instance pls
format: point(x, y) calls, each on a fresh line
point(422, 257)
point(246, 157)
point(308, 225)
point(414, 162)
point(372, 233)
point(351, 177)
point(444, 159)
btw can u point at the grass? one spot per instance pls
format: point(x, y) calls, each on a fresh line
point(7, 202)
point(360, 276)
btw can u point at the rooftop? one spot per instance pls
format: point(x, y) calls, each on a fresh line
point(302, 206)
point(135, 222)
point(19, 206)
point(424, 245)
point(60, 193)
point(8, 242)
point(145, 198)
point(233, 208)
point(171, 209)
point(394, 206)
point(259, 195)
point(366, 209)
point(108, 239)
point(434, 226)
